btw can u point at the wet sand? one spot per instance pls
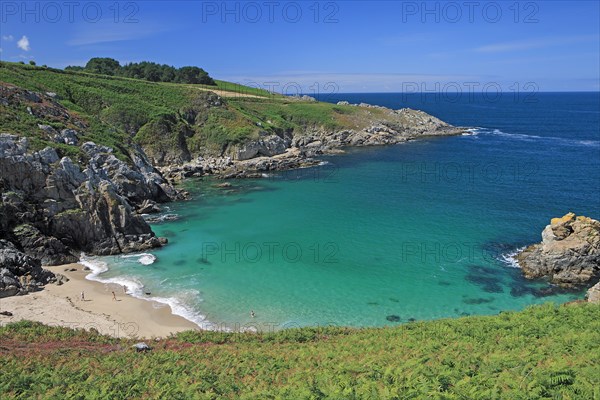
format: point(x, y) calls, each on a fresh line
point(61, 305)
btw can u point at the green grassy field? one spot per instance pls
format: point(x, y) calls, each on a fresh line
point(543, 352)
point(156, 115)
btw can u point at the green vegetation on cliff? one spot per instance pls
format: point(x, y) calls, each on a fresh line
point(180, 119)
point(543, 352)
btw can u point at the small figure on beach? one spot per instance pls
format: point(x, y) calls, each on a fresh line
point(124, 289)
point(114, 296)
point(82, 296)
point(252, 314)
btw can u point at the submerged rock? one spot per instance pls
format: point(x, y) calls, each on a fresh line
point(569, 254)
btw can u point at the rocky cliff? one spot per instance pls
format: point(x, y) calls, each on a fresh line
point(20, 273)
point(569, 254)
point(54, 207)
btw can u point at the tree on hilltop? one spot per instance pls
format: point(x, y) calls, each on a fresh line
point(105, 66)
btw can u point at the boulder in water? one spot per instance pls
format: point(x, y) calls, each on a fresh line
point(569, 254)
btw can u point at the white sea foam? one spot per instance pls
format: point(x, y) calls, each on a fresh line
point(472, 132)
point(516, 135)
point(147, 259)
point(135, 288)
point(179, 307)
point(142, 258)
point(162, 218)
point(98, 267)
point(591, 143)
point(510, 258)
point(557, 140)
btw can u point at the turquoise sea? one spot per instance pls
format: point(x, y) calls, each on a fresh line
point(382, 235)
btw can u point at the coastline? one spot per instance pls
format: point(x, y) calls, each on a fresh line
point(126, 317)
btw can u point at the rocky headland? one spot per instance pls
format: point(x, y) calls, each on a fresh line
point(291, 149)
point(569, 254)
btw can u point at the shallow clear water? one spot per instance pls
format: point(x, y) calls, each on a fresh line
point(383, 235)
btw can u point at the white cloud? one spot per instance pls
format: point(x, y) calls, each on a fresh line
point(23, 44)
point(8, 38)
point(534, 44)
point(106, 31)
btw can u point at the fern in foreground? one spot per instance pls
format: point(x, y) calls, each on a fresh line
point(543, 352)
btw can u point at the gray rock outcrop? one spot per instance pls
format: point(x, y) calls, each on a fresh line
point(569, 254)
point(593, 294)
point(67, 136)
point(53, 210)
point(267, 146)
point(20, 273)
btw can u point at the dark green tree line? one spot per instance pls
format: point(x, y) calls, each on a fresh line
point(146, 70)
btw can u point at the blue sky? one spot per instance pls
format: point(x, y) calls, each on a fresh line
point(346, 46)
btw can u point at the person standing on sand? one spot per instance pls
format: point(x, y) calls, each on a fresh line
point(124, 289)
point(114, 296)
point(82, 296)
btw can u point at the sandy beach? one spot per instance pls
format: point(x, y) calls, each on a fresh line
point(62, 305)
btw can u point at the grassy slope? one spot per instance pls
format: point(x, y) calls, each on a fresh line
point(116, 108)
point(542, 352)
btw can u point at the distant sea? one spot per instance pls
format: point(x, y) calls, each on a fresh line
point(382, 235)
